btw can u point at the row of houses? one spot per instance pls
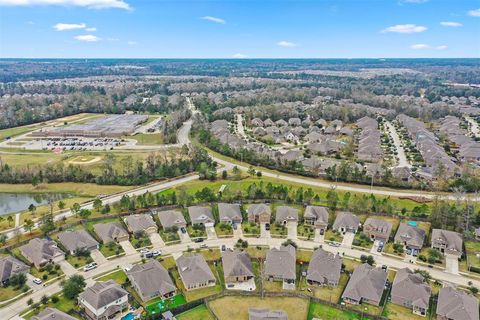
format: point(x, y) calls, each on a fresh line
point(468, 149)
point(369, 143)
point(434, 156)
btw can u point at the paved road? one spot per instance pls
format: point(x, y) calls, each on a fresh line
point(402, 157)
point(240, 128)
point(20, 305)
point(473, 126)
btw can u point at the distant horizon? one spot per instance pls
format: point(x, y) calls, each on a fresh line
point(247, 59)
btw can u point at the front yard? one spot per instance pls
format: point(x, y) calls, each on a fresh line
point(277, 230)
point(10, 292)
point(62, 304)
point(306, 231)
point(333, 235)
point(169, 235)
point(197, 231)
point(140, 240)
point(78, 261)
point(223, 230)
point(118, 276)
point(250, 229)
point(362, 240)
point(111, 249)
point(48, 272)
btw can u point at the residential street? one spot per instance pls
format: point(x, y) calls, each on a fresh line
point(402, 158)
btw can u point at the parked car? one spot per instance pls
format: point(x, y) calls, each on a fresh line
point(156, 253)
point(90, 266)
point(183, 230)
point(199, 240)
point(267, 226)
point(203, 245)
point(144, 251)
point(37, 281)
point(224, 248)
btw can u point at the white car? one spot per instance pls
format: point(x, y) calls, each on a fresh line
point(144, 251)
point(37, 281)
point(90, 266)
point(156, 253)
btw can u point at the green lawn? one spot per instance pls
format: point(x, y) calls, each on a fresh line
point(362, 240)
point(63, 304)
point(223, 229)
point(169, 236)
point(396, 312)
point(45, 275)
point(472, 249)
point(78, 262)
point(326, 293)
point(158, 305)
point(306, 231)
point(148, 139)
point(7, 293)
point(167, 262)
point(196, 232)
point(197, 293)
point(198, 313)
point(332, 235)
point(111, 249)
point(140, 242)
point(322, 311)
point(118, 276)
point(250, 229)
point(278, 230)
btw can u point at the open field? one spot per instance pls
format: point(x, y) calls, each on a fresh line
point(296, 308)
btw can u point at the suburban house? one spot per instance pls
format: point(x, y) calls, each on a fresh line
point(377, 229)
point(237, 266)
point(103, 300)
point(280, 265)
point(42, 251)
point(52, 314)
point(365, 285)
point(455, 304)
point(324, 268)
point(410, 236)
point(172, 218)
point(316, 216)
point(230, 213)
point(111, 232)
point(259, 213)
point(448, 242)
point(195, 272)
point(410, 290)
point(286, 214)
point(151, 280)
point(77, 240)
point(266, 314)
point(141, 222)
point(10, 266)
point(201, 215)
point(346, 222)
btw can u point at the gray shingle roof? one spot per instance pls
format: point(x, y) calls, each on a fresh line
point(171, 218)
point(345, 219)
point(411, 286)
point(74, 240)
point(140, 222)
point(324, 267)
point(200, 214)
point(194, 269)
point(457, 305)
point(281, 263)
point(320, 214)
point(257, 209)
point(52, 314)
point(413, 236)
point(286, 213)
point(452, 240)
point(266, 314)
point(366, 282)
point(40, 251)
point(103, 293)
point(10, 266)
point(151, 279)
point(229, 211)
point(110, 231)
point(237, 263)
point(379, 226)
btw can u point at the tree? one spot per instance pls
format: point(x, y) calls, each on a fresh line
point(3, 239)
point(61, 205)
point(18, 280)
point(73, 286)
point(29, 224)
point(259, 174)
point(224, 175)
point(44, 300)
point(84, 213)
point(236, 173)
point(251, 171)
point(29, 301)
point(32, 209)
point(75, 209)
point(10, 220)
point(332, 199)
point(97, 204)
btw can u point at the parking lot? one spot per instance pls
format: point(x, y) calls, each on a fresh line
point(76, 144)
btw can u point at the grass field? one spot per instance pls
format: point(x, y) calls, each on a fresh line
point(396, 312)
point(238, 306)
point(322, 311)
point(147, 139)
point(198, 313)
point(158, 305)
point(472, 249)
point(63, 304)
point(118, 276)
point(7, 293)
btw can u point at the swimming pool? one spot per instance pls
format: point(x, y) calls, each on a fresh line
point(412, 223)
point(128, 316)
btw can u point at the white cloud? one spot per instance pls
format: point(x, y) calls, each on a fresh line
point(419, 46)
point(405, 28)
point(88, 38)
point(113, 39)
point(474, 13)
point(91, 29)
point(450, 24)
point(94, 4)
point(132, 43)
point(239, 56)
point(442, 47)
point(213, 19)
point(286, 44)
point(68, 26)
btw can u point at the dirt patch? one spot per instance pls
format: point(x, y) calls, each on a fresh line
point(417, 199)
point(84, 160)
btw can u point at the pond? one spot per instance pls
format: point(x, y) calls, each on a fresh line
point(15, 202)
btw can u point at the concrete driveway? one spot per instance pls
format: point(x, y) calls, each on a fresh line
point(264, 233)
point(374, 248)
point(127, 247)
point(211, 234)
point(32, 285)
point(319, 237)
point(451, 264)
point(184, 237)
point(238, 233)
point(67, 268)
point(156, 240)
point(292, 230)
point(242, 286)
point(348, 240)
point(97, 256)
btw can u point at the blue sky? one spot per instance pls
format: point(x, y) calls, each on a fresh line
point(239, 28)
